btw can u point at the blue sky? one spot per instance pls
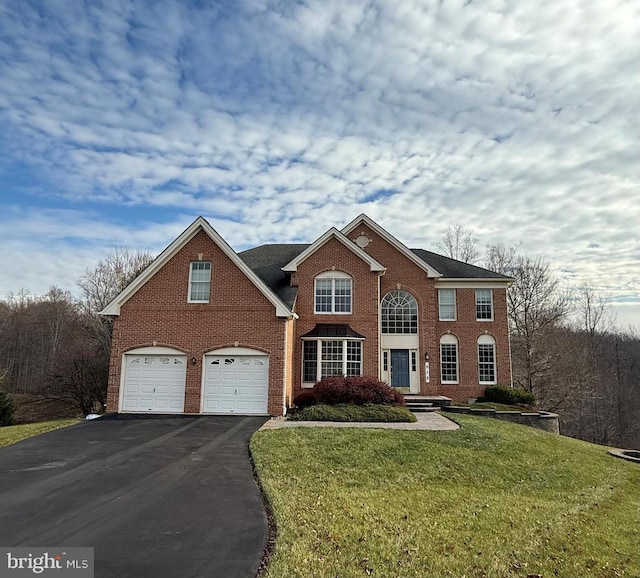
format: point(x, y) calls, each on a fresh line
point(120, 122)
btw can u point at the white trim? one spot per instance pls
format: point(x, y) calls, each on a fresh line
point(455, 304)
point(475, 302)
point(189, 288)
point(319, 341)
point(487, 340)
point(333, 233)
point(332, 276)
point(451, 283)
point(359, 220)
point(449, 339)
point(200, 224)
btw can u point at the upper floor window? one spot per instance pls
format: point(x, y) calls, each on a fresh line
point(447, 304)
point(484, 304)
point(487, 359)
point(448, 359)
point(333, 293)
point(399, 313)
point(199, 281)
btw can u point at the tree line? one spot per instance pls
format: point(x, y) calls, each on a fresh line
point(58, 346)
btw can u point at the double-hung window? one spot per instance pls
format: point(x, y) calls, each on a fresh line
point(484, 305)
point(447, 304)
point(199, 281)
point(333, 293)
point(487, 360)
point(326, 357)
point(448, 359)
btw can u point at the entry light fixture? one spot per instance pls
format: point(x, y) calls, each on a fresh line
point(426, 357)
point(193, 361)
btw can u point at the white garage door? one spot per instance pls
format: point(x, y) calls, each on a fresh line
point(236, 384)
point(154, 383)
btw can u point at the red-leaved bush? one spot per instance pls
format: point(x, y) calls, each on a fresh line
point(354, 389)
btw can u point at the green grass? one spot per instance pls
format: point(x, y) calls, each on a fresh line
point(490, 500)
point(15, 433)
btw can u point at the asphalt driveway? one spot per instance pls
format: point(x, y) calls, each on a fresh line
point(155, 496)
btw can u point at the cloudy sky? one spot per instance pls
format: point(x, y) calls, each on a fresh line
point(120, 122)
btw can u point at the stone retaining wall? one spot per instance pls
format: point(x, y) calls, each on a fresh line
point(543, 420)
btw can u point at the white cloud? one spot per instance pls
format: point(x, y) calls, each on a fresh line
point(276, 120)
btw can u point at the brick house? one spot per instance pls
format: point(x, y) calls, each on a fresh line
point(207, 330)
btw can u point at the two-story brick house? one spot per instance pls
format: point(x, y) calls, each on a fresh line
point(207, 330)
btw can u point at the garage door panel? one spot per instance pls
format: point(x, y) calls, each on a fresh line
point(236, 384)
point(154, 383)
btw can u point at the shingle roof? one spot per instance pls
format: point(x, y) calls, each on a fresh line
point(333, 330)
point(267, 261)
point(450, 268)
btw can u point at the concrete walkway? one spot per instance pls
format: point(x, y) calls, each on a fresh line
point(426, 421)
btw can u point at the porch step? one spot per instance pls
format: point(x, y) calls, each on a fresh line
point(422, 407)
point(426, 402)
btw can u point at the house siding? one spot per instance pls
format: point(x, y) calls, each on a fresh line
point(333, 255)
point(158, 314)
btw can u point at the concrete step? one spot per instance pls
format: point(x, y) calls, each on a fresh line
point(436, 400)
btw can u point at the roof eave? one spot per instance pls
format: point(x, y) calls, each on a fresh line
point(113, 308)
point(362, 218)
point(333, 233)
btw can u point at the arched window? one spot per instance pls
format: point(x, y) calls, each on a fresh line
point(399, 313)
point(448, 359)
point(487, 359)
point(333, 292)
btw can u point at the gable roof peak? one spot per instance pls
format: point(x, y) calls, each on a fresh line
point(362, 218)
point(199, 224)
point(333, 233)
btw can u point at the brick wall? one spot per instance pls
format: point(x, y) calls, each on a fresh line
point(238, 313)
point(333, 255)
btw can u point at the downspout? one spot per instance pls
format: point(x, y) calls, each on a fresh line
point(380, 274)
point(285, 360)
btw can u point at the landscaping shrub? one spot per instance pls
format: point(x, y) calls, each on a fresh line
point(368, 412)
point(304, 399)
point(356, 390)
point(507, 395)
point(7, 407)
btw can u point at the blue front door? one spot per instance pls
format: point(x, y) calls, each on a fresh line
point(399, 368)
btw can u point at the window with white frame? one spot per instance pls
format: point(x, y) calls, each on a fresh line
point(484, 304)
point(333, 293)
point(448, 359)
point(487, 359)
point(199, 281)
point(447, 304)
point(326, 357)
point(399, 313)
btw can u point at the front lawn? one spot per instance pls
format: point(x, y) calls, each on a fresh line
point(15, 433)
point(490, 500)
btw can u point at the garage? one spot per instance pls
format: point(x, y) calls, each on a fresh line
point(154, 382)
point(235, 383)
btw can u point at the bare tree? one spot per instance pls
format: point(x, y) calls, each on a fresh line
point(100, 286)
point(536, 304)
point(459, 243)
point(110, 276)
